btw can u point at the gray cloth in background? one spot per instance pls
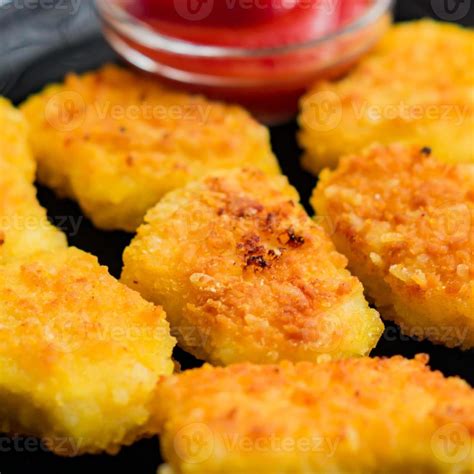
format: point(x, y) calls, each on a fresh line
point(41, 39)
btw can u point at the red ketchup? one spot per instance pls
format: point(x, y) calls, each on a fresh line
point(268, 82)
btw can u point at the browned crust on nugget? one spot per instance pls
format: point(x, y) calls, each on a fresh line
point(380, 415)
point(80, 354)
point(238, 264)
point(405, 221)
point(398, 93)
point(118, 141)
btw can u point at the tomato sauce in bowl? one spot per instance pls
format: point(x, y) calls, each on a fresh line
point(262, 54)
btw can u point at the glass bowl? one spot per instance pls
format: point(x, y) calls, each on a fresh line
point(268, 81)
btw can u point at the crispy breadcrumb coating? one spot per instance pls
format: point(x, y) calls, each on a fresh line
point(117, 141)
point(14, 147)
point(406, 223)
point(351, 416)
point(24, 227)
point(80, 354)
point(245, 275)
point(414, 88)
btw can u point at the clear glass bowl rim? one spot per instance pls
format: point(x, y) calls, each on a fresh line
point(132, 28)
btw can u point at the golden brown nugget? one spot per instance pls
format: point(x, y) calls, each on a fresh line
point(245, 275)
point(80, 354)
point(414, 88)
point(405, 221)
point(118, 141)
point(14, 147)
point(358, 416)
point(24, 227)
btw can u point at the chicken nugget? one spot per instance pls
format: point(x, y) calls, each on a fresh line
point(414, 88)
point(357, 416)
point(117, 141)
point(14, 147)
point(80, 354)
point(24, 227)
point(405, 221)
point(245, 275)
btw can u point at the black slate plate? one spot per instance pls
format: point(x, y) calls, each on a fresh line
point(39, 44)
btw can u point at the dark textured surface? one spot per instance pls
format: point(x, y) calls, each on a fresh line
point(38, 46)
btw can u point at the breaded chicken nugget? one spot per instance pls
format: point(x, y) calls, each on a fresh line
point(245, 275)
point(415, 88)
point(358, 416)
point(24, 227)
point(14, 147)
point(406, 223)
point(118, 141)
point(80, 354)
